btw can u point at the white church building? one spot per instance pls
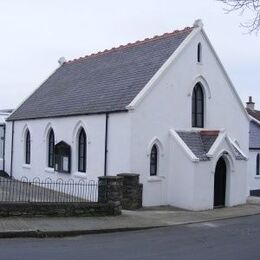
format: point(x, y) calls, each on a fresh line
point(163, 107)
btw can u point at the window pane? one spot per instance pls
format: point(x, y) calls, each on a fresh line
point(27, 148)
point(197, 107)
point(82, 151)
point(199, 53)
point(51, 149)
point(153, 161)
point(258, 164)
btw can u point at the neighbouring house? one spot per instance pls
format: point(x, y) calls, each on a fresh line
point(3, 115)
point(162, 107)
point(254, 149)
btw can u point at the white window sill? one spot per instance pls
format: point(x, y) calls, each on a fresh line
point(49, 170)
point(81, 175)
point(155, 178)
point(257, 176)
point(27, 166)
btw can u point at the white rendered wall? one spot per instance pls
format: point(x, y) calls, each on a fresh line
point(168, 106)
point(253, 179)
point(65, 129)
point(1, 147)
point(180, 178)
point(119, 138)
point(8, 137)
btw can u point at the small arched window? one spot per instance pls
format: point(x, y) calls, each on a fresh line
point(258, 164)
point(197, 106)
point(199, 52)
point(51, 144)
point(27, 147)
point(154, 161)
point(82, 151)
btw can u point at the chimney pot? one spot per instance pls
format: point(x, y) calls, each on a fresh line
point(250, 104)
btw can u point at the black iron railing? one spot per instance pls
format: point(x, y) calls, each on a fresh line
point(48, 190)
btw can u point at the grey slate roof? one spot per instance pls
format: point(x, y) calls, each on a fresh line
point(254, 113)
point(254, 136)
point(199, 143)
point(103, 82)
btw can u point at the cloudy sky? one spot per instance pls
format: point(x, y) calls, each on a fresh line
point(34, 34)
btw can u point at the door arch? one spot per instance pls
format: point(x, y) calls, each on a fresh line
point(220, 181)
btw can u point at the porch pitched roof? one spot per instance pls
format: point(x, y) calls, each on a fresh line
point(199, 142)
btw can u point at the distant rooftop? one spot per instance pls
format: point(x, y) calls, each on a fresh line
point(6, 111)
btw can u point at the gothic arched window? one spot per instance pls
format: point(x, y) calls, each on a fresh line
point(51, 144)
point(27, 147)
point(82, 151)
point(198, 106)
point(154, 161)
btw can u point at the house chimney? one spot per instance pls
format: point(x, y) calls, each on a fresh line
point(250, 104)
point(61, 60)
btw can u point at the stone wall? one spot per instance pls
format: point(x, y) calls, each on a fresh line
point(110, 190)
point(122, 190)
point(82, 209)
point(114, 193)
point(132, 191)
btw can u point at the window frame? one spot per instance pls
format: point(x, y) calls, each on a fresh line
point(199, 53)
point(51, 149)
point(82, 150)
point(154, 161)
point(28, 147)
point(198, 111)
point(258, 164)
point(62, 152)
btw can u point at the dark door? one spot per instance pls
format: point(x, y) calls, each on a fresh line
point(220, 183)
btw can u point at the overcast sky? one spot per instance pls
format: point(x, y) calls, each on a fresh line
point(34, 34)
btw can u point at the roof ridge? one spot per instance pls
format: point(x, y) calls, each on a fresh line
point(129, 45)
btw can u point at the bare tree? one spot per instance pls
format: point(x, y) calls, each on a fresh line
point(253, 24)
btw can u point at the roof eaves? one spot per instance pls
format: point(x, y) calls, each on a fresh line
point(73, 114)
point(254, 119)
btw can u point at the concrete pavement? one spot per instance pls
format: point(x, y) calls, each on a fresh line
point(129, 220)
